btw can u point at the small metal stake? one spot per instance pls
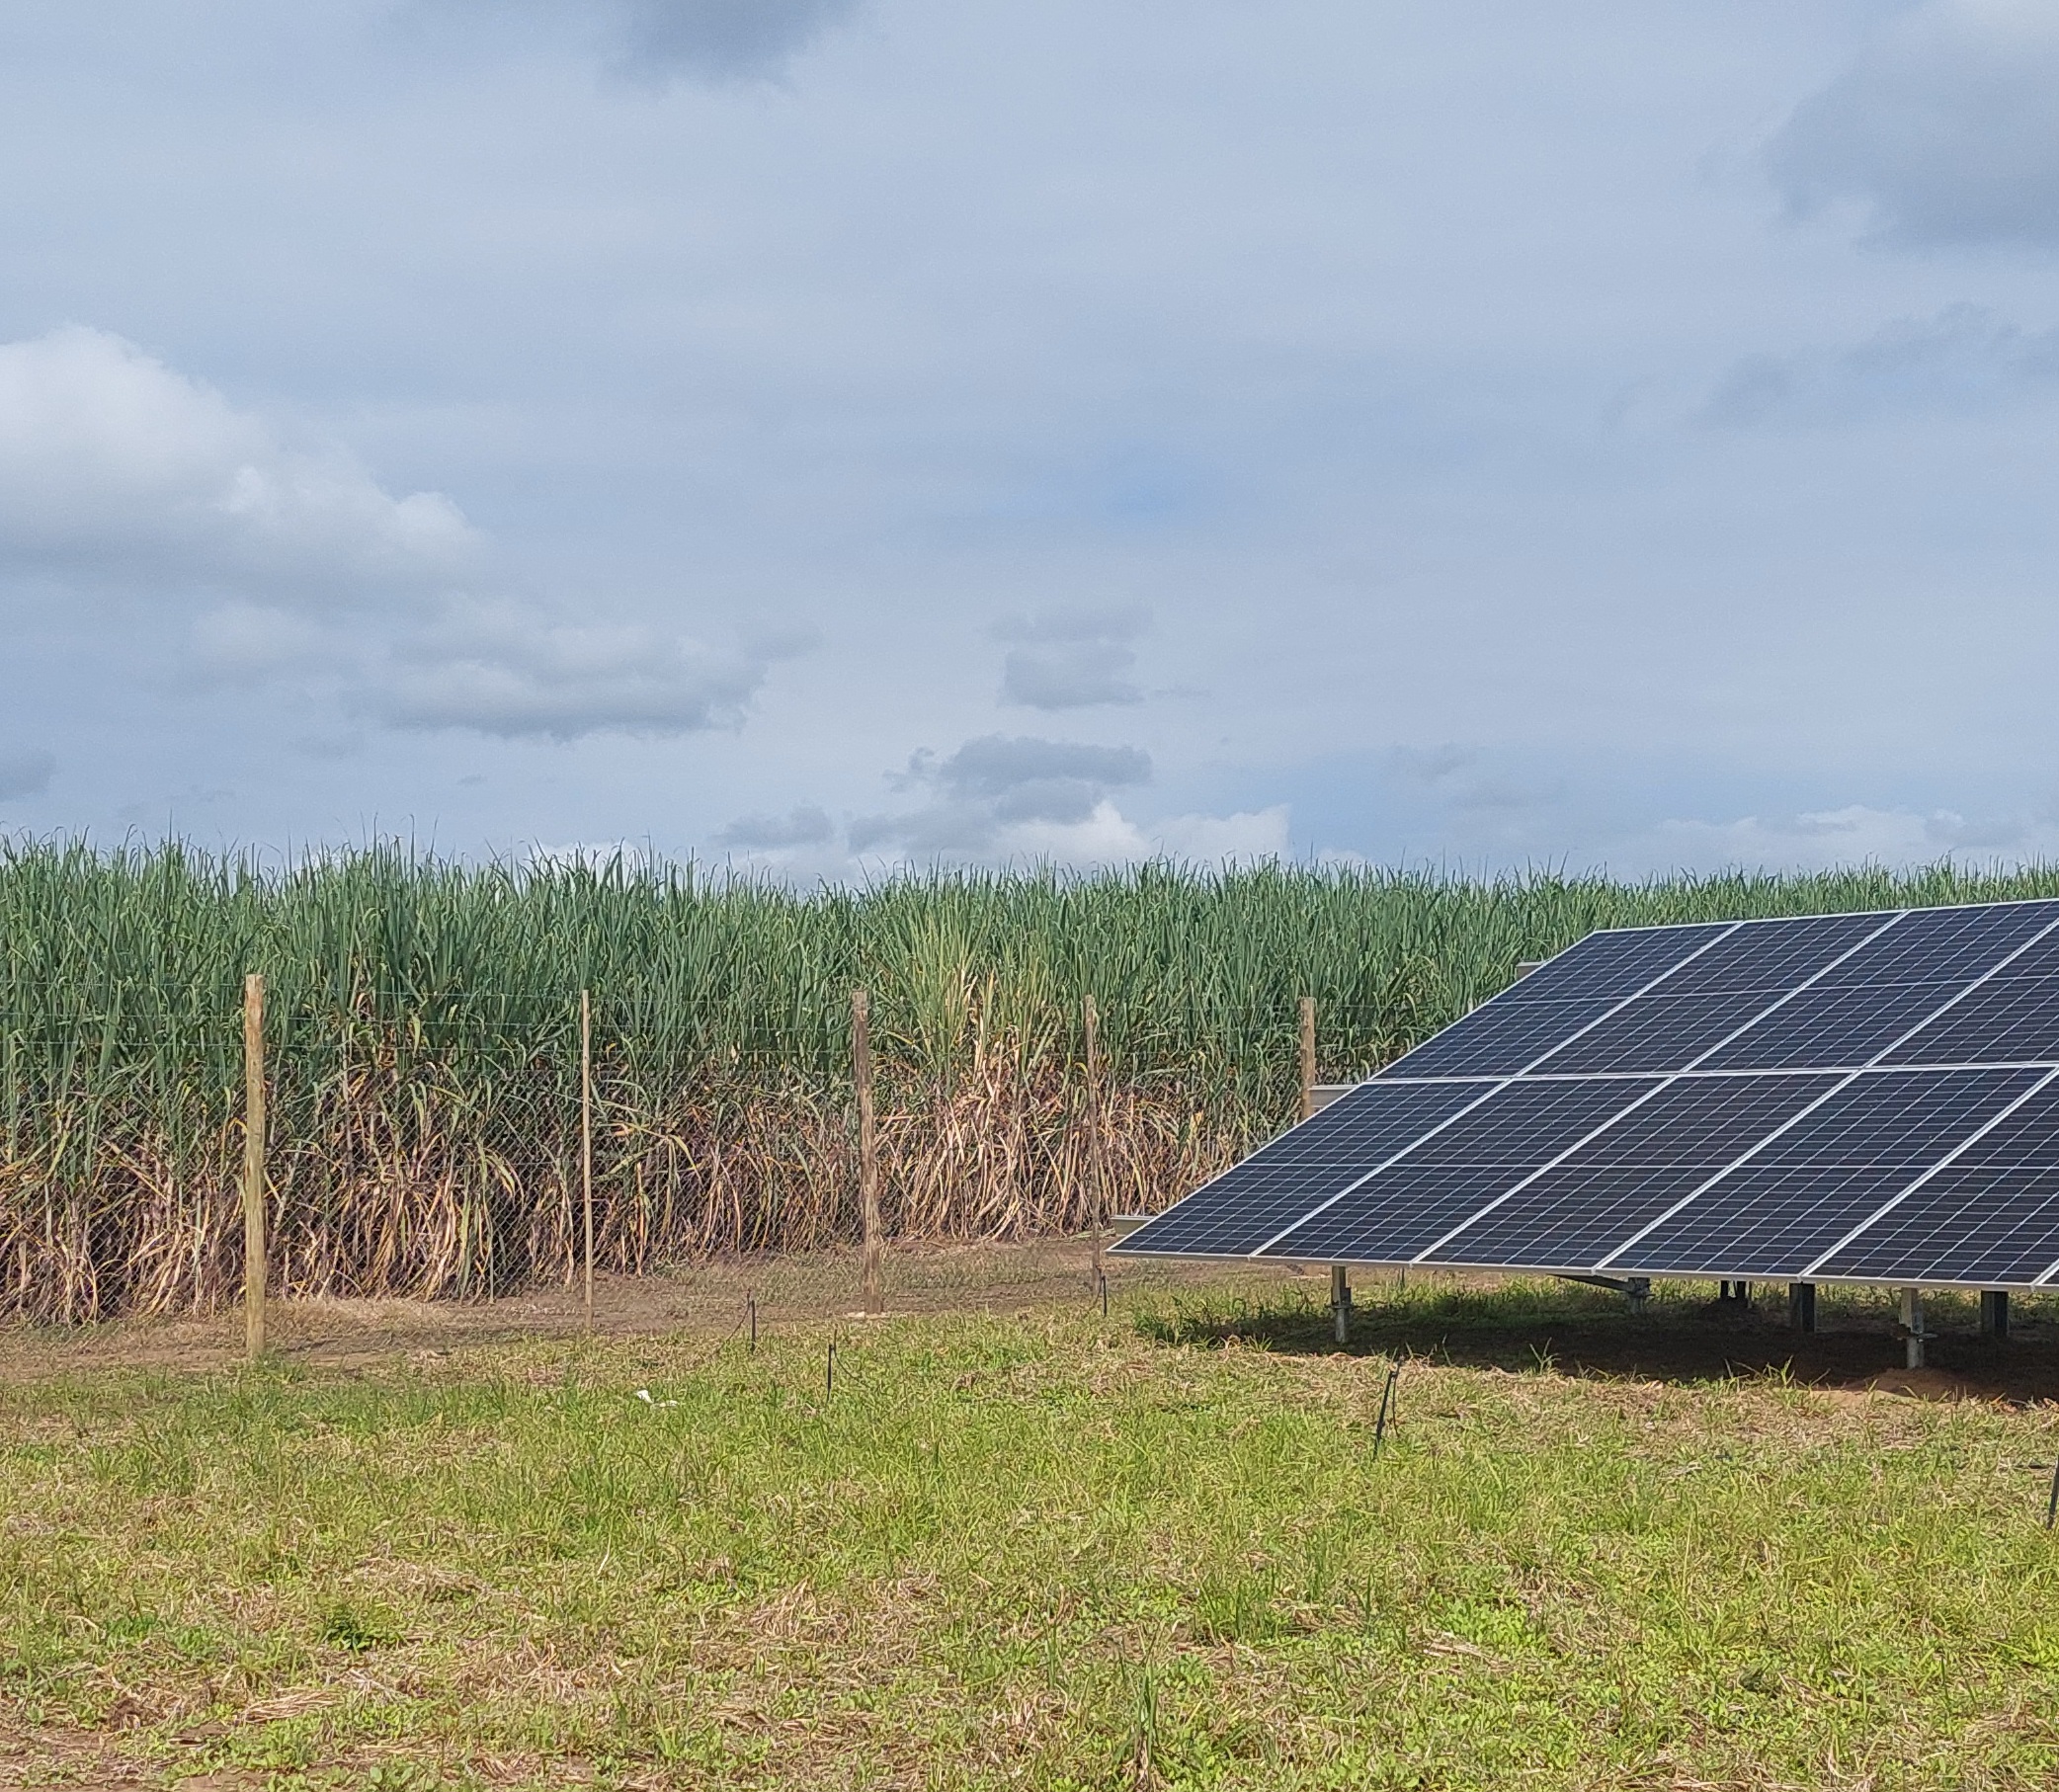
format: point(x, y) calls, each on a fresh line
point(1379, 1429)
point(751, 1312)
point(829, 1372)
point(1104, 1296)
point(2052, 1505)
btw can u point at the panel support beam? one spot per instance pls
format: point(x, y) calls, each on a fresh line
point(1802, 1306)
point(1913, 1325)
point(1638, 1287)
point(1341, 1301)
point(1734, 1294)
point(1994, 1314)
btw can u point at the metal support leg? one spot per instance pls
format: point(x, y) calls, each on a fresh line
point(1913, 1325)
point(1735, 1294)
point(1994, 1313)
point(1802, 1306)
point(1341, 1301)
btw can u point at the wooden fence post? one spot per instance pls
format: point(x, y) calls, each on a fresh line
point(1308, 1057)
point(254, 1166)
point(868, 1143)
point(586, 1139)
point(1096, 1170)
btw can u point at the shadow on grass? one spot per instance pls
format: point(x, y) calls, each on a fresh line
point(1681, 1333)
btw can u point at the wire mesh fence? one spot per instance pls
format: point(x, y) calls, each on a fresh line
point(483, 1145)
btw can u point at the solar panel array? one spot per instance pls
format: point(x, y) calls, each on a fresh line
point(1858, 1097)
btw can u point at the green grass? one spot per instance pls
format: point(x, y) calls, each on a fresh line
point(1043, 1551)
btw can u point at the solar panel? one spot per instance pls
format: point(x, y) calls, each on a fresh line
point(1520, 1129)
point(1802, 1192)
point(1864, 1098)
point(1688, 1132)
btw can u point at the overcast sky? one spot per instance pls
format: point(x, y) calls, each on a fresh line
point(826, 434)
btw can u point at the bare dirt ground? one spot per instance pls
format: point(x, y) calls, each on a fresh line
point(1858, 1351)
point(716, 1298)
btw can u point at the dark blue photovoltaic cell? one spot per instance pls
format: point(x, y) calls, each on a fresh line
point(1655, 1032)
point(1771, 956)
point(1499, 1039)
point(1991, 1215)
point(1409, 1204)
point(1282, 1180)
point(2011, 1018)
point(1797, 1197)
point(1833, 1025)
point(1945, 945)
point(1689, 1131)
point(1697, 1007)
point(1861, 1007)
point(1613, 964)
point(2037, 961)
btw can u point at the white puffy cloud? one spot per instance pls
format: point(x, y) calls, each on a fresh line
point(1105, 837)
point(1243, 838)
point(1945, 128)
point(117, 473)
point(111, 461)
point(1819, 840)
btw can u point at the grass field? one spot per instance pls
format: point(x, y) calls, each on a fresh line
point(1047, 1549)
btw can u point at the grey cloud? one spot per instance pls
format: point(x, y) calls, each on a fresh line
point(1994, 833)
point(507, 671)
point(724, 40)
point(1075, 675)
point(1071, 659)
point(1946, 131)
point(999, 781)
point(806, 826)
point(943, 828)
point(1752, 392)
point(1961, 356)
point(1462, 777)
point(1030, 780)
point(25, 772)
point(1509, 794)
point(1432, 764)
